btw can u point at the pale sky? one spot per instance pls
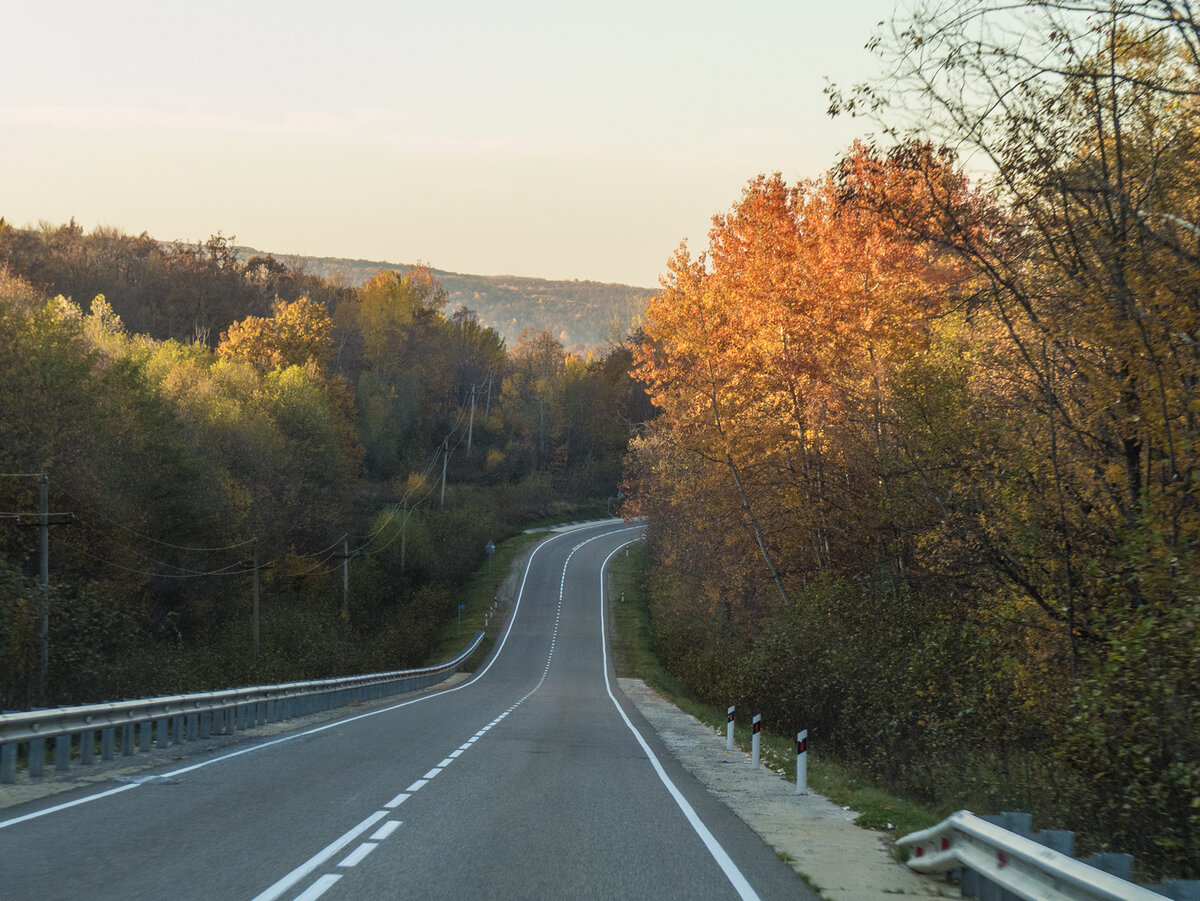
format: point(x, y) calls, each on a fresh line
point(531, 138)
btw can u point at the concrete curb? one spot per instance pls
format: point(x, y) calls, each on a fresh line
point(817, 837)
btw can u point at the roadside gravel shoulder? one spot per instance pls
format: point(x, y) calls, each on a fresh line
point(817, 837)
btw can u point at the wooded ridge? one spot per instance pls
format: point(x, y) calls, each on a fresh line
point(582, 315)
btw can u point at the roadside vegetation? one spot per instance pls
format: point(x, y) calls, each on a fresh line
point(925, 475)
point(632, 640)
point(208, 425)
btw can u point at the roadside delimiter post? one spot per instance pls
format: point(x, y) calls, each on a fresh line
point(802, 762)
point(757, 740)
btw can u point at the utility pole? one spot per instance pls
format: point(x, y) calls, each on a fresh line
point(43, 523)
point(346, 578)
point(445, 461)
point(44, 608)
point(255, 565)
point(487, 411)
point(403, 530)
point(471, 423)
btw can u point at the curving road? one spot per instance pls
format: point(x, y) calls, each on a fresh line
point(534, 779)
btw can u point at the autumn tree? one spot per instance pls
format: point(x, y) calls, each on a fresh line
point(297, 334)
point(1086, 113)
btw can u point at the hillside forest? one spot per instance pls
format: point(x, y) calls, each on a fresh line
point(583, 315)
point(924, 478)
point(206, 422)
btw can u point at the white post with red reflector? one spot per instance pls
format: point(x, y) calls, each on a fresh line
point(757, 740)
point(729, 730)
point(802, 762)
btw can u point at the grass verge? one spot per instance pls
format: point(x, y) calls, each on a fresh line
point(476, 599)
point(633, 657)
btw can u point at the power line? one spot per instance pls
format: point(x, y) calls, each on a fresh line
point(178, 547)
point(230, 570)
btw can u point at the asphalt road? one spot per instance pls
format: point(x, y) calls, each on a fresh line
point(534, 779)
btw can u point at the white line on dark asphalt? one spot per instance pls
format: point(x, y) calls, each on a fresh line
point(354, 858)
point(385, 830)
point(720, 855)
point(286, 738)
point(317, 859)
point(318, 888)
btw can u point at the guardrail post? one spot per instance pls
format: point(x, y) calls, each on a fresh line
point(802, 762)
point(161, 733)
point(8, 763)
point(757, 740)
point(1182, 889)
point(193, 726)
point(729, 729)
point(177, 730)
point(107, 742)
point(127, 740)
point(1060, 840)
point(206, 725)
point(1119, 865)
point(37, 756)
point(144, 735)
point(87, 746)
point(62, 753)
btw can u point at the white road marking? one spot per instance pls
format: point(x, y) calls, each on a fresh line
point(431, 773)
point(417, 786)
point(333, 725)
point(319, 858)
point(398, 800)
point(318, 888)
point(454, 754)
point(385, 830)
point(740, 884)
point(356, 856)
point(65, 805)
point(445, 763)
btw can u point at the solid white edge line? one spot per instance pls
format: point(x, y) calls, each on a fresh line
point(319, 858)
point(66, 804)
point(340, 722)
point(320, 887)
point(740, 884)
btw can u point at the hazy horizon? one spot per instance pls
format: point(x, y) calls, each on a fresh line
point(535, 140)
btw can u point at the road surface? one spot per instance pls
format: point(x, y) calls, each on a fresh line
point(533, 779)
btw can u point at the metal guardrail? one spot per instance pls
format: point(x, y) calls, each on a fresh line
point(174, 719)
point(999, 863)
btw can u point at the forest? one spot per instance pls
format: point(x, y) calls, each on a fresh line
point(583, 315)
point(210, 428)
point(924, 475)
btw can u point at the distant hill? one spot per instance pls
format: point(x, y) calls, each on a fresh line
point(581, 314)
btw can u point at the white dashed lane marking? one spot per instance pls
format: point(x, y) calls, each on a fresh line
point(356, 856)
point(385, 830)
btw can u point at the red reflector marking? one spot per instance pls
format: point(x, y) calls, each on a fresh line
point(1001, 859)
point(920, 851)
point(945, 843)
